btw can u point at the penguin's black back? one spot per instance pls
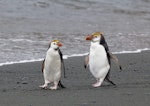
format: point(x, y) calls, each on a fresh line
point(104, 43)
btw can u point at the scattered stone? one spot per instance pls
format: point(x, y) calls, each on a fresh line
point(4, 90)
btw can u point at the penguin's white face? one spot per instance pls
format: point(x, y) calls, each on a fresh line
point(55, 44)
point(95, 37)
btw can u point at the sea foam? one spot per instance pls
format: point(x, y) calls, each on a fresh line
point(67, 56)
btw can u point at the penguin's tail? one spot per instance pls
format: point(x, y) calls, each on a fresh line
point(61, 85)
point(108, 80)
point(111, 82)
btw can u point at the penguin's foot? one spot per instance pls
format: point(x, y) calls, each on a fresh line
point(53, 87)
point(97, 84)
point(43, 86)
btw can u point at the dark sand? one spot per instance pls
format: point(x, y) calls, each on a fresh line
point(19, 84)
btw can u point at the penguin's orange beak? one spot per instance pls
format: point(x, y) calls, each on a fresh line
point(59, 44)
point(89, 37)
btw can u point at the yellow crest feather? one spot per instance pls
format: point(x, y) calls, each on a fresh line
point(97, 33)
point(55, 41)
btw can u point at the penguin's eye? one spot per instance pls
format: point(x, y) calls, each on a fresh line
point(54, 43)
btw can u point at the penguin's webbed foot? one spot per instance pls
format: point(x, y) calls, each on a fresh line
point(43, 86)
point(53, 88)
point(97, 84)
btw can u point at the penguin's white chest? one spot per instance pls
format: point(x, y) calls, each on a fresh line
point(52, 66)
point(98, 61)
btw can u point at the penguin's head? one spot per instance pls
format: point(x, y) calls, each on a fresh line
point(95, 37)
point(55, 44)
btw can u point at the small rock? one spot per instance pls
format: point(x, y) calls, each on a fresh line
point(4, 90)
point(24, 82)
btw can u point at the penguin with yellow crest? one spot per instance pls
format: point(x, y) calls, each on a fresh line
point(52, 65)
point(98, 59)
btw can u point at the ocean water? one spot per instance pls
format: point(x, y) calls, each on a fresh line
point(28, 26)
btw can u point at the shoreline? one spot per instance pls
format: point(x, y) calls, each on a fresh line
point(19, 84)
point(68, 56)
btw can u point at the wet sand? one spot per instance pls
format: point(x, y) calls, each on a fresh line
point(19, 84)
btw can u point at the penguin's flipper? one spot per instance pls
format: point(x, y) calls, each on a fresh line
point(115, 59)
point(61, 85)
point(43, 65)
point(62, 63)
point(86, 61)
point(63, 66)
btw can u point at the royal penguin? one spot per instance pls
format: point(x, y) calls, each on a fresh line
point(52, 65)
point(98, 59)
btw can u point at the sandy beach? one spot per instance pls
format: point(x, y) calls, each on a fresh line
point(19, 84)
